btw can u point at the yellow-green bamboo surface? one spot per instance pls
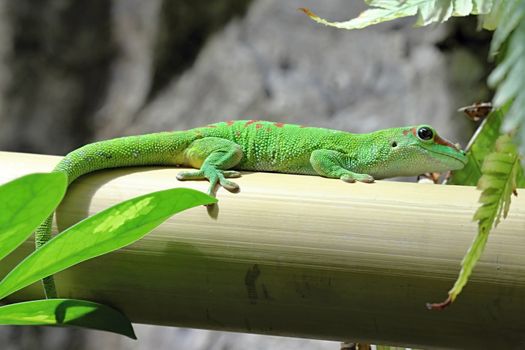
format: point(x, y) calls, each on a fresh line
point(302, 256)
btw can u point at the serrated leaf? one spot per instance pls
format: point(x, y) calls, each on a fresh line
point(489, 19)
point(480, 148)
point(428, 11)
point(500, 72)
point(501, 182)
point(486, 198)
point(495, 166)
point(509, 77)
point(104, 232)
point(26, 202)
point(491, 180)
point(515, 117)
point(511, 13)
point(434, 11)
point(469, 261)
point(510, 87)
point(497, 187)
point(366, 18)
point(482, 6)
point(463, 7)
point(66, 313)
point(477, 149)
point(483, 212)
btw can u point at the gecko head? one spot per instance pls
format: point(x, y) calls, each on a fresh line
point(419, 149)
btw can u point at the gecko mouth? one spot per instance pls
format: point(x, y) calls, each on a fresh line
point(462, 158)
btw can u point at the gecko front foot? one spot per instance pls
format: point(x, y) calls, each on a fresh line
point(214, 176)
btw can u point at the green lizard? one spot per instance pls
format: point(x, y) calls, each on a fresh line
point(267, 146)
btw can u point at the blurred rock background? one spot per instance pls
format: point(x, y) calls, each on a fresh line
point(72, 72)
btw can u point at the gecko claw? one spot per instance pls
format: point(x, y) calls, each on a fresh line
point(229, 185)
point(231, 173)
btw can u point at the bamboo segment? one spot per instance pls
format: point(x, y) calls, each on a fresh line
point(301, 256)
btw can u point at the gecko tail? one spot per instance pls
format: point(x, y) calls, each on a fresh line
point(42, 236)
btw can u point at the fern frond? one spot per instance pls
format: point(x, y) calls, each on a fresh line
point(491, 20)
point(507, 15)
point(428, 11)
point(509, 75)
point(479, 147)
point(498, 182)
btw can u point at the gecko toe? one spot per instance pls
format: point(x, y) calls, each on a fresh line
point(347, 178)
point(366, 178)
point(230, 185)
point(231, 173)
point(190, 175)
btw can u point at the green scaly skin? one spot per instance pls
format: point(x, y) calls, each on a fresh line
point(267, 146)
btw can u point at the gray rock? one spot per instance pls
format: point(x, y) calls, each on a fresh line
point(135, 28)
point(57, 61)
point(277, 64)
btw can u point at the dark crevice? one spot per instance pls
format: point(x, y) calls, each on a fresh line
point(464, 36)
point(463, 33)
point(184, 27)
point(60, 62)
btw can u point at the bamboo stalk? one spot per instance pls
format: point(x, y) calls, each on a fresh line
point(301, 256)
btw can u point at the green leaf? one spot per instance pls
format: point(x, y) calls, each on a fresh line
point(24, 204)
point(479, 147)
point(510, 14)
point(434, 11)
point(482, 6)
point(66, 312)
point(104, 232)
point(498, 182)
point(463, 7)
point(386, 347)
point(509, 77)
point(428, 11)
point(491, 17)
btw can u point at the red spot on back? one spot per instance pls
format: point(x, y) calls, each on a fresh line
point(250, 122)
point(230, 122)
point(211, 126)
point(278, 125)
point(258, 126)
point(302, 126)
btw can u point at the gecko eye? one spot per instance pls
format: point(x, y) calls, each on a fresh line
point(425, 133)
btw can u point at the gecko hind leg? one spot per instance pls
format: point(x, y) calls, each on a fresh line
point(217, 155)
